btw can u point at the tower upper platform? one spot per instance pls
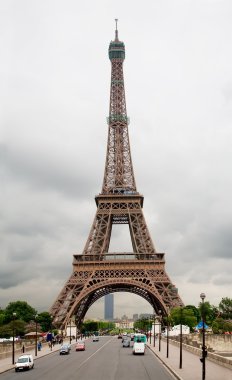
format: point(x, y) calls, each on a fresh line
point(116, 48)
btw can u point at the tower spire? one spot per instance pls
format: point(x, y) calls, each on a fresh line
point(119, 175)
point(116, 30)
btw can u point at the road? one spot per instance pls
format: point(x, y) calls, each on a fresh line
point(103, 360)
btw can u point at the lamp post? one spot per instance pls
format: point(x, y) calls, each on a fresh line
point(70, 331)
point(150, 327)
point(13, 342)
point(36, 331)
point(154, 329)
point(181, 336)
point(204, 352)
point(160, 319)
point(51, 334)
point(167, 353)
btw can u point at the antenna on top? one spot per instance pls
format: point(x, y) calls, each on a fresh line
point(116, 31)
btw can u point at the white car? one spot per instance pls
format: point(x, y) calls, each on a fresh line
point(95, 338)
point(24, 362)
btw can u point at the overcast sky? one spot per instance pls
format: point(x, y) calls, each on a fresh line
point(54, 100)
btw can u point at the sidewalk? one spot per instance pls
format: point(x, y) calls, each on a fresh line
point(6, 363)
point(191, 365)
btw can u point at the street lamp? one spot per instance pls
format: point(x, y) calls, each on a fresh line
point(13, 342)
point(154, 328)
point(51, 334)
point(204, 351)
point(181, 336)
point(150, 327)
point(160, 319)
point(167, 354)
point(70, 338)
point(36, 330)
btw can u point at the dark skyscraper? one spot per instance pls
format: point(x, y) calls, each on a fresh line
point(109, 307)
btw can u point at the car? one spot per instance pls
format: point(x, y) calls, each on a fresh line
point(24, 362)
point(96, 338)
point(126, 343)
point(65, 349)
point(119, 336)
point(80, 346)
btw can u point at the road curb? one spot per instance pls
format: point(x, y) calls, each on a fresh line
point(177, 376)
point(43, 353)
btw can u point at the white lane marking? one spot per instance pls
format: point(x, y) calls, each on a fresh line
point(94, 353)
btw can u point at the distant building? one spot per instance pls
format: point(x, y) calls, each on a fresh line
point(144, 316)
point(124, 323)
point(109, 307)
point(124, 317)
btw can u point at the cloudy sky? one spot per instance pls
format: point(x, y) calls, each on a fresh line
point(54, 100)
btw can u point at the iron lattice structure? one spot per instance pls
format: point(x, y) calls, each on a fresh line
point(97, 272)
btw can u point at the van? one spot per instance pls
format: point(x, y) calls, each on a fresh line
point(139, 346)
point(24, 362)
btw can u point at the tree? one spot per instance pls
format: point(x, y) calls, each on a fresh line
point(106, 326)
point(227, 326)
point(184, 316)
point(208, 312)
point(23, 311)
point(220, 326)
point(195, 311)
point(18, 326)
point(45, 321)
point(225, 308)
point(143, 324)
point(2, 317)
point(89, 326)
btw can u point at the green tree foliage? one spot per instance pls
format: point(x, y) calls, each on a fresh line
point(184, 316)
point(227, 326)
point(220, 326)
point(89, 327)
point(44, 319)
point(143, 324)
point(106, 326)
point(6, 331)
point(195, 311)
point(23, 311)
point(225, 308)
point(208, 312)
point(2, 317)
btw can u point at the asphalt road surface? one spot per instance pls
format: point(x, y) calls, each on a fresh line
point(103, 360)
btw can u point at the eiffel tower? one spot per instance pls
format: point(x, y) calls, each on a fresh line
point(97, 272)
